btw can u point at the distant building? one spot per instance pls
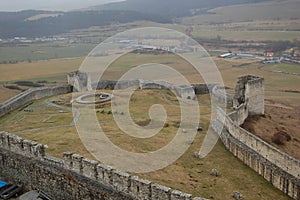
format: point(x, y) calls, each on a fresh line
point(297, 53)
point(243, 55)
point(227, 55)
point(269, 54)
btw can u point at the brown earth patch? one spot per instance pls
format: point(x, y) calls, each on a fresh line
point(279, 126)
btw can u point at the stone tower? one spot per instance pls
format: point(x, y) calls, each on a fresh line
point(79, 80)
point(250, 90)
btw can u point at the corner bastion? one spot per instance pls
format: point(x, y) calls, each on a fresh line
point(277, 167)
point(32, 94)
point(74, 177)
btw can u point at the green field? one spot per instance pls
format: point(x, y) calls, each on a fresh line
point(273, 20)
point(271, 10)
point(44, 51)
point(290, 68)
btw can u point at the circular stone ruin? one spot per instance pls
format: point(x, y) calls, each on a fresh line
point(102, 97)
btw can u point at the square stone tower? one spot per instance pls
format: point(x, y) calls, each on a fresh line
point(250, 91)
point(79, 80)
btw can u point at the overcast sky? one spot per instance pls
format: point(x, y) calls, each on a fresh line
point(16, 5)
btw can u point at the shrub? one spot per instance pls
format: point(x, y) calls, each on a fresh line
point(281, 137)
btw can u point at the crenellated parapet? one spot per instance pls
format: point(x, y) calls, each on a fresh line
point(80, 171)
point(119, 180)
point(20, 146)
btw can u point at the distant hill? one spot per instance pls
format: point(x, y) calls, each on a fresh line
point(17, 24)
point(171, 8)
point(32, 23)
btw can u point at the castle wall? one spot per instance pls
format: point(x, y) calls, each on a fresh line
point(221, 96)
point(185, 92)
point(277, 176)
point(250, 91)
point(254, 93)
point(280, 169)
point(31, 94)
point(203, 88)
point(79, 80)
point(73, 177)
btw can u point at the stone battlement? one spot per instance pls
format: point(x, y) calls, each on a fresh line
point(15, 151)
point(32, 94)
point(279, 168)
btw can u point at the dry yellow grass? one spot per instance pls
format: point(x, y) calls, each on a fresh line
point(187, 174)
point(38, 69)
point(7, 93)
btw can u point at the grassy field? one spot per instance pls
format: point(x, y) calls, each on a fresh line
point(290, 68)
point(44, 51)
point(260, 30)
point(192, 175)
point(55, 70)
point(273, 20)
point(271, 10)
point(51, 126)
point(246, 35)
point(39, 70)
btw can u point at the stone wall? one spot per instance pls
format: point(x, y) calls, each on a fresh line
point(185, 92)
point(31, 94)
point(73, 177)
point(277, 176)
point(219, 94)
point(79, 80)
point(250, 90)
point(203, 88)
point(280, 169)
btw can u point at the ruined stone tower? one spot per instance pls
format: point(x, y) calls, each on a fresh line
point(79, 80)
point(250, 89)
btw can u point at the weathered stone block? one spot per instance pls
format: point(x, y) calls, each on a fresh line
point(121, 180)
point(15, 143)
point(89, 168)
point(268, 174)
point(53, 161)
point(185, 92)
point(3, 140)
point(178, 195)
point(140, 188)
point(28, 147)
point(67, 160)
point(77, 163)
point(104, 174)
point(160, 192)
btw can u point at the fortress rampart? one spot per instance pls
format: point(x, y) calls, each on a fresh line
point(73, 177)
point(31, 94)
point(280, 169)
point(81, 81)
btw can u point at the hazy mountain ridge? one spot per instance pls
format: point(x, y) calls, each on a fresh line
point(15, 24)
point(171, 8)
